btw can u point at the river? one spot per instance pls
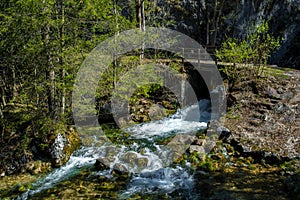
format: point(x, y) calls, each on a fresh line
point(147, 160)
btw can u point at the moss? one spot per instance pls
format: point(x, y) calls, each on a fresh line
point(291, 166)
point(233, 116)
point(252, 167)
point(12, 186)
point(232, 112)
point(277, 72)
point(178, 66)
point(116, 135)
point(201, 134)
point(106, 186)
point(85, 184)
point(73, 141)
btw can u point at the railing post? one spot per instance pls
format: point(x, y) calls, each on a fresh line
point(182, 55)
point(183, 88)
point(199, 57)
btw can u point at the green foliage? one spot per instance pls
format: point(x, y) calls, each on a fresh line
point(247, 58)
point(112, 74)
point(55, 35)
point(116, 135)
point(142, 81)
point(147, 90)
point(177, 66)
point(17, 189)
point(277, 72)
point(290, 166)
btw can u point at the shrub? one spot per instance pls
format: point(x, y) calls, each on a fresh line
point(247, 58)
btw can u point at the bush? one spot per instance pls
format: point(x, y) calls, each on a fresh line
point(247, 58)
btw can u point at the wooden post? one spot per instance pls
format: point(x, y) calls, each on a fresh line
point(182, 55)
point(183, 83)
point(199, 57)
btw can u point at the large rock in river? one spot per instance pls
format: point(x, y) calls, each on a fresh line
point(62, 146)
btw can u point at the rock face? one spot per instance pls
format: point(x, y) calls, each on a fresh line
point(28, 147)
point(284, 20)
point(197, 148)
point(236, 16)
point(63, 146)
point(214, 127)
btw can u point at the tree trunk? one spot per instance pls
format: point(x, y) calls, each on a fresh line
point(138, 14)
point(3, 102)
point(51, 89)
point(207, 24)
point(61, 16)
point(143, 16)
point(217, 15)
point(63, 93)
point(36, 88)
point(140, 18)
point(14, 84)
point(143, 26)
point(1, 113)
point(50, 73)
point(115, 65)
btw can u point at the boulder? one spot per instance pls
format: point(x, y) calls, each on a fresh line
point(196, 148)
point(120, 169)
point(104, 163)
point(214, 128)
point(272, 93)
point(134, 162)
point(178, 145)
point(200, 142)
point(62, 146)
point(157, 112)
point(129, 157)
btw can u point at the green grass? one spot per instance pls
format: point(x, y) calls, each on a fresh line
point(277, 72)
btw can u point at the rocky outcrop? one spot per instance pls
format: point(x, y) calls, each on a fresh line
point(40, 155)
point(62, 146)
point(268, 120)
point(261, 122)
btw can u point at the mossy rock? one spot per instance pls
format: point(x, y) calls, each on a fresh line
point(62, 146)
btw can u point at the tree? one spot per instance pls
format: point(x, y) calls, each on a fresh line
point(38, 67)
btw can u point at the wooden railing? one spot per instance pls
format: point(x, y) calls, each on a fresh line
point(192, 55)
